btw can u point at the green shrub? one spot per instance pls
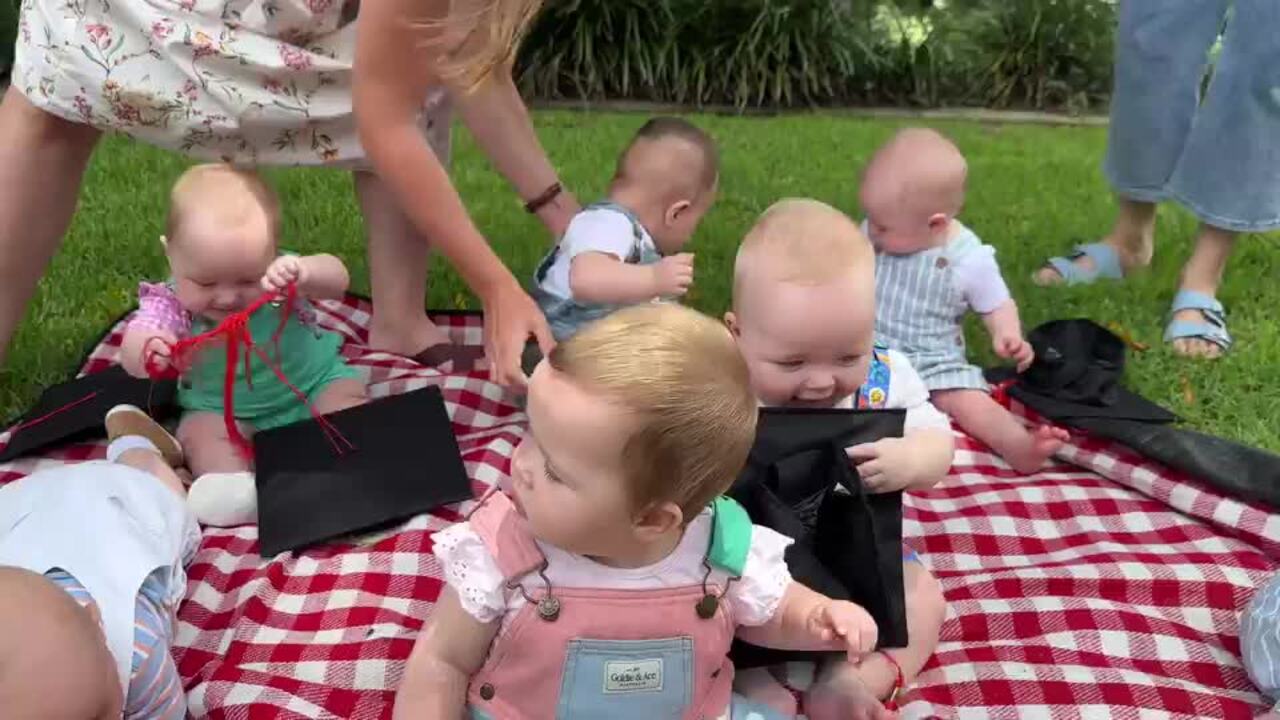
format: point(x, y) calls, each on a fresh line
point(1041, 54)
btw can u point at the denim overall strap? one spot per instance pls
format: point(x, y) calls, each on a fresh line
point(621, 654)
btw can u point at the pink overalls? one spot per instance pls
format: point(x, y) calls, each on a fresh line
point(572, 654)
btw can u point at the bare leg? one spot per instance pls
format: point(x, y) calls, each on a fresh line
point(1132, 237)
point(42, 161)
point(398, 256)
point(209, 450)
point(340, 395)
point(857, 690)
point(982, 417)
point(1203, 273)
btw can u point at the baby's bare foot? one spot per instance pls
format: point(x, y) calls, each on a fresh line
point(843, 696)
point(1042, 443)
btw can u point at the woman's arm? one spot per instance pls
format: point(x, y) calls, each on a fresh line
point(394, 67)
point(498, 118)
point(392, 74)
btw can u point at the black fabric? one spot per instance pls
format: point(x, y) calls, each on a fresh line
point(848, 546)
point(74, 411)
point(405, 462)
point(1077, 373)
point(1075, 381)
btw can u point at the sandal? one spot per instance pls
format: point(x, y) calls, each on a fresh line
point(464, 358)
point(1212, 329)
point(1106, 264)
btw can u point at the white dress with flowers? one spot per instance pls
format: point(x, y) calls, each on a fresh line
point(245, 81)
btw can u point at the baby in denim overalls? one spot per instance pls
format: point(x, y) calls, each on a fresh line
point(627, 249)
point(612, 581)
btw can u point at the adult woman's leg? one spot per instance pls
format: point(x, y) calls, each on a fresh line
point(1229, 174)
point(42, 161)
point(398, 258)
point(1161, 54)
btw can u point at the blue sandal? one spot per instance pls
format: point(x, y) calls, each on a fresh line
point(1106, 264)
point(1212, 329)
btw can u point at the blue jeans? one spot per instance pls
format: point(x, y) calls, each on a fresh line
point(1221, 157)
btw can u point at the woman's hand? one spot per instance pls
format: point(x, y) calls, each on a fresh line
point(510, 318)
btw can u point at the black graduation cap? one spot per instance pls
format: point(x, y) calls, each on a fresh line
point(405, 461)
point(848, 544)
point(1077, 375)
point(73, 411)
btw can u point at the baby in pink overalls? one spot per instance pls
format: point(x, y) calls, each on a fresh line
point(612, 581)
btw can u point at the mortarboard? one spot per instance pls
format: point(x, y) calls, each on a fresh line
point(402, 460)
point(848, 544)
point(73, 411)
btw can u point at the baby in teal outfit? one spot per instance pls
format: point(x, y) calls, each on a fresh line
point(221, 244)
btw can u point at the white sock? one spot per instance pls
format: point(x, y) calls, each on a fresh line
point(224, 499)
point(125, 443)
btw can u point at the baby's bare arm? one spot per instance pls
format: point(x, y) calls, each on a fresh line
point(596, 277)
point(799, 621)
point(327, 277)
point(451, 648)
point(1003, 321)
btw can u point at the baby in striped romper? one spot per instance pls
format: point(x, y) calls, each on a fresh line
point(93, 560)
point(931, 271)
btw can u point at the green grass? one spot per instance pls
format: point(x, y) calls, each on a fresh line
point(1034, 190)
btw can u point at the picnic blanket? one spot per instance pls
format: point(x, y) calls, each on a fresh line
point(1107, 588)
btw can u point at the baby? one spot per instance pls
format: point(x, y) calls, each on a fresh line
point(612, 582)
point(803, 311)
point(626, 250)
point(92, 560)
point(930, 272)
point(221, 244)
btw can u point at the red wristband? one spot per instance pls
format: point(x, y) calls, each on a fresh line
point(891, 703)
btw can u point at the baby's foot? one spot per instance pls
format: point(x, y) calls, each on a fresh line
point(843, 696)
point(1042, 442)
point(224, 499)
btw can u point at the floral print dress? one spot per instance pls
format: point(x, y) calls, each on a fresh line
point(245, 81)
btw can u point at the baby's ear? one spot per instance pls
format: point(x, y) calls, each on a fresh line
point(658, 520)
point(676, 210)
point(937, 221)
point(731, 322)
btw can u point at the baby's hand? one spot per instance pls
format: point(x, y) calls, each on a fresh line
point(673, 275)
point(885, 465)
point(1016, 348)
point(284, 270)
point(839, 619)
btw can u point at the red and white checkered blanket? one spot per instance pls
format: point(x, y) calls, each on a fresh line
point(1107, 592)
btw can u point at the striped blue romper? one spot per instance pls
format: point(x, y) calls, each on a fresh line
point(921, 305)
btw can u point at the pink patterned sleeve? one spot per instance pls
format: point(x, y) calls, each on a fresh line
point(159, 309)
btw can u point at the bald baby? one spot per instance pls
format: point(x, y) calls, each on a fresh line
point(912, 189)
point(43, 628)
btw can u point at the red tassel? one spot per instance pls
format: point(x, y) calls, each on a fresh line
point(234, 330)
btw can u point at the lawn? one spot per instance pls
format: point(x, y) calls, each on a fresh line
point(1034, 190)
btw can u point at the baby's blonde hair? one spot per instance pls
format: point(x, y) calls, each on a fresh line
point(802, 241)
point(490, 37)
point(919, 167)
point(233, 193)
point(679, 372)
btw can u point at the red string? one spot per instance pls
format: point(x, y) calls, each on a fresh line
point(234, 331)
point(48, 415)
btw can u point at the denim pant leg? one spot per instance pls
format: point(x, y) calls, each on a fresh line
point(1162, 49)
point(1229, 174)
